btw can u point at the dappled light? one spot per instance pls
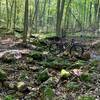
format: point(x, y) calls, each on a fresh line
point(49, 50)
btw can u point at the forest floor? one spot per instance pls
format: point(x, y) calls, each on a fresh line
point(39, 75)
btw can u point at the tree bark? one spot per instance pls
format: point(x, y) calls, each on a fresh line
point(25, 22)
point(14, 21)
point(60, 9)
point(7, 13)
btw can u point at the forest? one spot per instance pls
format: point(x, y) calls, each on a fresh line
point(49, 49)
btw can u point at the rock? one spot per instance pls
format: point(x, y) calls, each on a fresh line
point(19, 94)
point(33, 89)
point(65, 74)
point(96, 44)
point(52, 82)
point(73, 59)
point(86, 97)
point(0, 85)
point(11, 85)
point(21, 86)
point(29, 60)
point(8, 57)
point(36, 55)
point(86, 55)
point(6, 84)
point(11, 91)
point(3, 75)
point(77, 72)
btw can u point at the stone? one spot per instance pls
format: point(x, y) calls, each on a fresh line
point(3, 75)
point(21, 86)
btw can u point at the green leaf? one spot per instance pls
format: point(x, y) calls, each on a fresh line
point(9, 97)
point(48, 93)
point(86, 98)
point(72, 85)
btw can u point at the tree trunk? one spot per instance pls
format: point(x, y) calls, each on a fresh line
point(14, 20)
point(49, 3)
point(0, 12)
point(60, 9)
point(7, 13)
point(25, 22)
point(42, 18)
point(11, 11)
point(90, 14)
point(36, 14)
point(85, 13)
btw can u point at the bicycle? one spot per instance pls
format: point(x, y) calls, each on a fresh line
point(58, 45)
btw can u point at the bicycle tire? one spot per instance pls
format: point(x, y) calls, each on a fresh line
point(76, 46)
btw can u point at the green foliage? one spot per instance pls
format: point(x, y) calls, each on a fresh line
point(36, 55)
point(86, 98)
point(78, 63)
point(94, 63)
point(48, 93)
point(72, 85)
point(29, 60)
point(9, 97)
point(60, 63)
point(85, 77)
point(3, 74)
point(23, 75)
point(43, 75)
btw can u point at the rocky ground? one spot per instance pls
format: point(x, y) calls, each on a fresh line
point(38, 75)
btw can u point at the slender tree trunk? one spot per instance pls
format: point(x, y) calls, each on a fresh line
point(58, 13)
point(14, 20)
point(97, 12)
point(66, 19)
point(7, 13)
point(43, 13)
point(36, 14)
point(60, 9)
point(98, 17)
point(0, 12)
point(49, 3)
point(25, 22)
point(90, 13)
point(11, 11)
point(84, 13)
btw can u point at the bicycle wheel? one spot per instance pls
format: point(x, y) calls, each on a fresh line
point(76, 50)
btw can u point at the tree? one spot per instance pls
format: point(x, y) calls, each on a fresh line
point(7, 9)
point(60, 9)
point(25, 22)
point(14, 21)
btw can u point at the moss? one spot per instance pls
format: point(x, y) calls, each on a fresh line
point(3, 74)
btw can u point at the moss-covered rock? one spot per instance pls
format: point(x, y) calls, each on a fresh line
point(65, 74)
point(86, 98)
point(86, 56)
point(36, 55)
point(8, 57)
point(21, 86)
point(43, 76)
point(3, 75)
